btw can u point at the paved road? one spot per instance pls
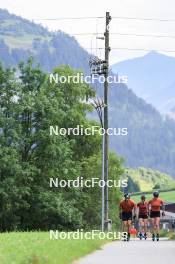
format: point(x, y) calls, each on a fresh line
point(134, 252)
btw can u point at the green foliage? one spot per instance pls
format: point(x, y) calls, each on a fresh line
point(29, 156)
point(93, 196)
point(132, 186)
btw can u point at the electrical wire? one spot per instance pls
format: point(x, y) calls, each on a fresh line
point(68, 18)
point(136, 49)
point(144, 19)
point(113, 17)
point(123, 34)
point(142, 35)
point(116, 48)
point(120, 34)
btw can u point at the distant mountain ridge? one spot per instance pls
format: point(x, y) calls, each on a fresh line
point(152, 78)
point(151, 138)
point(20, 38)
point(17, 26)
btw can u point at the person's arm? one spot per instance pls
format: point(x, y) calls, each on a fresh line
point(137, 211)
point(163, 208)
point(120, 211)
point(134, 209)
point(149, 208)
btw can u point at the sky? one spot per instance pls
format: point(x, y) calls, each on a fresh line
point(39, 10)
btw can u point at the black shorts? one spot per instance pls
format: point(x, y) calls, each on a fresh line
point(155, 214)
point(143, 216)
point(126, 216)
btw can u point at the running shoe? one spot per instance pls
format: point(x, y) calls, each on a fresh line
point(140, 236)
point(128, 237)
point(153, 237)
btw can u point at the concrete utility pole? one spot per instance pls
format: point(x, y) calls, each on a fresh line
point(106, 137)
point(99, 107)
point(101, 67)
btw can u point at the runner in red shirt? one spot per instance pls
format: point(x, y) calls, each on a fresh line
point(155, 205)
point(142, 210)
point(127, 211)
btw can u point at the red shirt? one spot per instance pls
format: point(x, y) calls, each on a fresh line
point(155, 204)
point(143, 208)
point(127, 205)
point(133, 231)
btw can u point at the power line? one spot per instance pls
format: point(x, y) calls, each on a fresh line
point(115, 48)
point(142, 35)
point(120, 34)
point(101, 17)
point(68, 18)
point(135, 49)
point(85, 34)
point(123, 34)
point(145, 19)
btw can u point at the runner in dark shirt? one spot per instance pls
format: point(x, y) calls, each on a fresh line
point(142, 209)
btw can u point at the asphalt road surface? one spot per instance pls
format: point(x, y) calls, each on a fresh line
point(133, 252)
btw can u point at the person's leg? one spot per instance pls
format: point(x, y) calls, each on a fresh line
point(129, 225)
point(157, 225)
point(129, 222)
point(145, 227)
point(140, 227)
point(125, 226)
point(125, 230)
point(153, 228)
point(140, 224)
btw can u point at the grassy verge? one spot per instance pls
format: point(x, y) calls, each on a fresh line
point(37, 248)
point(170, 234)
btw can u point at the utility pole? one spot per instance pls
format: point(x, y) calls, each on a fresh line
point(99, 107)
point(106, 137)
point(101, 67)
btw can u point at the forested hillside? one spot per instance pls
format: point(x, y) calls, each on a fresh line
point(145, 180)
point(151, 138)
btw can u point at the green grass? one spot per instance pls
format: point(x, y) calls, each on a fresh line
point(172, 235)
point(166, 196)
point(169, 234)
point(37, 248)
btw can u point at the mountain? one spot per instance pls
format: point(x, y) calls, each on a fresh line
point(151, 138)
point(152, 78)
point(20, 38)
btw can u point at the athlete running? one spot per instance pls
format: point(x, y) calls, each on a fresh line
point(142, 214)
point(154, 206)
point(127, 211)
